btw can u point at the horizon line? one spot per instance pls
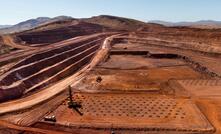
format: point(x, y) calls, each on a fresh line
point(146, 21)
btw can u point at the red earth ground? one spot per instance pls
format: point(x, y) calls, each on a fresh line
point(143, 79)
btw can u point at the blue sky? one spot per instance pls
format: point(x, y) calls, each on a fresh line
point(14, 11)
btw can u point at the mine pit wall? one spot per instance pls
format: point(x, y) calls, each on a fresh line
point(200, 68)
point(195, 65)
point(145, 53)
point(18, 90)
point(49, 75)
point(59, 34)
point(65, 73)
point(25, 70)
point(208, 50)
point(126, 52)
point(197, 35)
point(49, 53)
point(34, 79)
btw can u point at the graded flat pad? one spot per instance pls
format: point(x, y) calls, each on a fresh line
point(202, 87)
point(135, 112)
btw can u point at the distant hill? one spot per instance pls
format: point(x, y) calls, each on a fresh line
point(197, 24)
point(29, 24)
point(114, 22)
point(46, 23)
point(5, 26)
point(111, 22)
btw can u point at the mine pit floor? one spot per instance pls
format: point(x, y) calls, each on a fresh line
point(131, 92)
point(133, 111)
point(134, 80)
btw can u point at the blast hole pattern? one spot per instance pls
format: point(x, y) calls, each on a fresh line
point(130, 106)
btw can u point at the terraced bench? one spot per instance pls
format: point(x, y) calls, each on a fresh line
point(45, 68)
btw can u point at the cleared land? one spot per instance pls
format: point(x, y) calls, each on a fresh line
point(144, 79)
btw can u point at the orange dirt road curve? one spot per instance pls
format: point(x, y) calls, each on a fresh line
point(29, 129)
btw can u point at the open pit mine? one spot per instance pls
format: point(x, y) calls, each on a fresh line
point(110, 75)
